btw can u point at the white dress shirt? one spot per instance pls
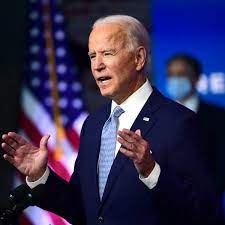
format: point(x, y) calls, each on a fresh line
point(192, 103)
point(132, 107)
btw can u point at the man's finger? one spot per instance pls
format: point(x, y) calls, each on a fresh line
point(9, 159)
point(44, 141)
point(17, 138)
point(129, 146)
point(126, 137)
point(9, 150)
point(128, 153)
point(10, 141)
point(132, 134)
point(138, 132)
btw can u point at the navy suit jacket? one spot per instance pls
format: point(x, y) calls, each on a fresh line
point(184, 194)
point(212, 118)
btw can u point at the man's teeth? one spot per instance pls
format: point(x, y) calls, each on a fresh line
point(104, 79)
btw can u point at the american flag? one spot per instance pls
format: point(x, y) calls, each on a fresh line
point(51, 96)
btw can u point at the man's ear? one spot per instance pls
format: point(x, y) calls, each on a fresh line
point(140, 58)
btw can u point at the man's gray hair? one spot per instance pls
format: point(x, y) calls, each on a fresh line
point(136, 32)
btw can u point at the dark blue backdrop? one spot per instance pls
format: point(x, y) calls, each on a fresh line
point(195, 27)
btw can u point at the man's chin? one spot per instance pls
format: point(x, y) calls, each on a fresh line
point(106, 94)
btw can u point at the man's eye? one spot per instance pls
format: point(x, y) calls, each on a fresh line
point(107, 54)
point(91, 56)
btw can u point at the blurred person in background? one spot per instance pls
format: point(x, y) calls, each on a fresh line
point(183, 73)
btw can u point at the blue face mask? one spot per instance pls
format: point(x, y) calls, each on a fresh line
point(178, 87)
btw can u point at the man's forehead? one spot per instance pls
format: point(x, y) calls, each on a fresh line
point(108, 33)
point(179, 66)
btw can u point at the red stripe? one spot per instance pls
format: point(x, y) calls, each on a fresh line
point(56, 219)
point(29, 128)
point(58, 167)
point(73, 137)
point(33, 133)
point(24, 220)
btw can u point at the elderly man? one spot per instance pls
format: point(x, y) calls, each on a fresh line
point(138, 162)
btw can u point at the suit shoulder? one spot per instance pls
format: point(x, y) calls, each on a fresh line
point(211, 108)
point(167, 107)
point(176, 110)
point(179, 122)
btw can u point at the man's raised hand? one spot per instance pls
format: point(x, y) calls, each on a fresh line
point(137, 149)
point(28, 159)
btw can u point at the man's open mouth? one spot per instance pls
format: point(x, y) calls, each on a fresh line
point(104, 79)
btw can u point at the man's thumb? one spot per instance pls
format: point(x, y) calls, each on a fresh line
point(138, 132)
point(44, 141)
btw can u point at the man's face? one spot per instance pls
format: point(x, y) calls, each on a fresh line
point(180, 68)
point(112, 64)
point(181, 80)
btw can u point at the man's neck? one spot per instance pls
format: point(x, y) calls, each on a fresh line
point(186, 98)
point(129, 92)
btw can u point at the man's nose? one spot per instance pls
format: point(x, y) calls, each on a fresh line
point(99, 63)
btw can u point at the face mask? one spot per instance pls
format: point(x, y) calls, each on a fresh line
point(178, 87)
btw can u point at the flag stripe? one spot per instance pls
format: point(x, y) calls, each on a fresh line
point(73, 137)
point(24, 220)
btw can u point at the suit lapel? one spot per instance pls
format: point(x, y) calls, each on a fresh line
point(148, 111)
point(95, 142)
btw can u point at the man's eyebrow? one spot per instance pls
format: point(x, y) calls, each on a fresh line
point(102, 51)
point(109, 49)
point(90, 53)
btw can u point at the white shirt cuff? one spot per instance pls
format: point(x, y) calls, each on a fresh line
point(41, 180)
point(152, 178)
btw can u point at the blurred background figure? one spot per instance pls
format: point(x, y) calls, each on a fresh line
point(183, 73)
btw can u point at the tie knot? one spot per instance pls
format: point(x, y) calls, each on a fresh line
point(117, 111)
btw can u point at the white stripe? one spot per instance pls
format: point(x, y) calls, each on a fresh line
point(41, 119)
point(38, 216)
point(78, 123)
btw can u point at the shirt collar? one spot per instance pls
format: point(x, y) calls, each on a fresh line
point(192, 103)
point(137, 99)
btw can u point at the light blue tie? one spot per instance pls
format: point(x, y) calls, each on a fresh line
point(107, 149)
